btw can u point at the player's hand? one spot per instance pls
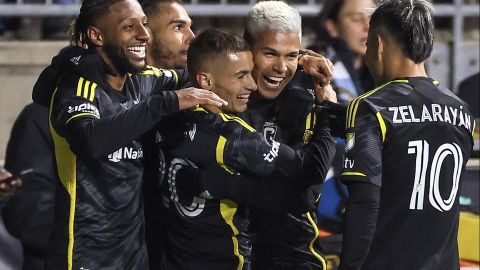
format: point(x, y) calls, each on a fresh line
point(317, 66)
point(7, 188)
point(325, 93)
point(192, 97)
point(334, 115)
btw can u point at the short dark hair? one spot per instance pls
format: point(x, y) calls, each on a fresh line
point(90, 12)
point(210, 44)
point(150, 6)
point(409, 23)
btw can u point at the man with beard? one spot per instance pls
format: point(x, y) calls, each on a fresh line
point(96, 125)
point(281, 109)
point(171, 34)
point(169, 26)
point(222, 63)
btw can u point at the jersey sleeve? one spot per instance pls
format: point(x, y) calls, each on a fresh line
point(363, 150)
point(241, 149)
point(167, 79)
point(75, 115)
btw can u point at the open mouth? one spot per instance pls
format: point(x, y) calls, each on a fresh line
point(273, 81)
point(243, 97)
point(139, 51)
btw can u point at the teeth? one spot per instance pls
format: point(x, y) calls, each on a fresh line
point(139, 50)
point(276, 79)
point(243, 96)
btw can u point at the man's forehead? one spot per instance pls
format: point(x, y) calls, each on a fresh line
point(124, 10)
point(274, 40)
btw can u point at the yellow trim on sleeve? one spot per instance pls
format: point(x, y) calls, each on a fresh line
point(353, 174)
point(92, 91)
point(228, 209)
point(82, 114)
point(79, 86)
point(383, 127)
point(353, 106)
point(86, 87)
point(219, 153)
point(308, 121)
point(310, 246)
point(242, 122)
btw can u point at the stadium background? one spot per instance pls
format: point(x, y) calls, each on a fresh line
point(32, 31)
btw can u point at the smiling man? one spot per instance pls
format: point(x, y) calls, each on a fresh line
point(96, 122)
point(222, 63)
point(281, 110)
point(171, 33)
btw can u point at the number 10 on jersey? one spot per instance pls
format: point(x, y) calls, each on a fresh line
point(421, 148)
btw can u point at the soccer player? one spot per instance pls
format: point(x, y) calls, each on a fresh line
point(222, 63)
point(171, 33)
point(96, 126)
point(284, 239)
point(408, 141)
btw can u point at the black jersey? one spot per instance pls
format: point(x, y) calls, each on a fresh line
point(289, 239)
point(412, 138)
point(202, 233)
point(96, 131)
point(219, 226)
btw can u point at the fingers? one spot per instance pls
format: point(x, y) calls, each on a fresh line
point(318, 67)
point(7, 188)
point(192, 97)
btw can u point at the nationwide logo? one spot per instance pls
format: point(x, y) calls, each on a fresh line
point(84, 108)
point(75, 60)
point(125, 153)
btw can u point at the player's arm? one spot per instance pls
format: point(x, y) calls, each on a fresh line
point(78, 119)
point(362, 173)
point(221, 184)
point(90, 65)
point(241, 148)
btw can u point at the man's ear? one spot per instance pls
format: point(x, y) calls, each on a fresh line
point(381, 47)
point(204, 79)
point(95, 35)
point(331, 28)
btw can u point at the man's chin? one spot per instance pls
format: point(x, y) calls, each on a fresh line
point(270, 93)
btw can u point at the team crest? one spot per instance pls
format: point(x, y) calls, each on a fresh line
point(307, 136)
point(350, 138)
point(270, 131)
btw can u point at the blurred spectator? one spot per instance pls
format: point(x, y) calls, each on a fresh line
point(341, 37)
point(28, 215)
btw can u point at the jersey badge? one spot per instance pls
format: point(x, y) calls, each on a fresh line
point(350, 138)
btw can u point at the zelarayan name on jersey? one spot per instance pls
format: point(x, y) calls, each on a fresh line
point(431, 113)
